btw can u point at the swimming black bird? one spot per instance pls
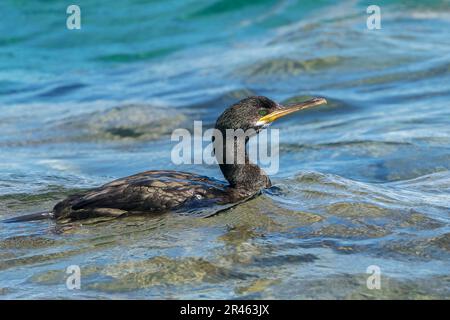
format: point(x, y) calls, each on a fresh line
point(160, 191)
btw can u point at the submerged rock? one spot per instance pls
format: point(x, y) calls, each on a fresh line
point(126, 122)
point(290, 66)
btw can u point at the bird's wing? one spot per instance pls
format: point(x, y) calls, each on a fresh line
point(151, 191)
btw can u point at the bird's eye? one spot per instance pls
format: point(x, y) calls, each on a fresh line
point(263, 112)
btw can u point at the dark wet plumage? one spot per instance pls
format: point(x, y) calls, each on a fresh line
point(150, 192)
point(160, 191)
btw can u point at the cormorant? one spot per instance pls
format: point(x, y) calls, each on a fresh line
point(160, 191)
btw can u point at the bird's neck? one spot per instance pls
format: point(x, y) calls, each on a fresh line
point(237, 168)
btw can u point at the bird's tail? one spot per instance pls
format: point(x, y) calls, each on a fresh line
point(30, 217)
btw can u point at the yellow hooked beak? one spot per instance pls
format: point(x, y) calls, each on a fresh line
point(290, 109)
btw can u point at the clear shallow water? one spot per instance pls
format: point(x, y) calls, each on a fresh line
point(364, 181)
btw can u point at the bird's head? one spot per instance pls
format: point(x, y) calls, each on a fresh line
point(259, 112)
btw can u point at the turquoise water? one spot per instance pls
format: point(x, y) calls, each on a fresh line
point(364, 181)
